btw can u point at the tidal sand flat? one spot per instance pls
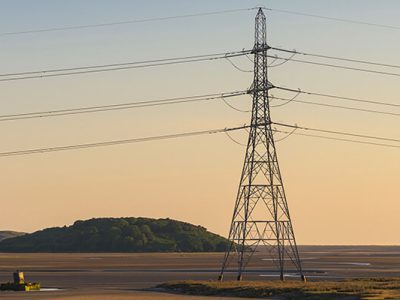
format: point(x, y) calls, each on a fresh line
point(110, 275)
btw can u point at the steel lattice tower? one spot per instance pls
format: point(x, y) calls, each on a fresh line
point(261, 214)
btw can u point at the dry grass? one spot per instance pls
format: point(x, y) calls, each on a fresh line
point(372, 289)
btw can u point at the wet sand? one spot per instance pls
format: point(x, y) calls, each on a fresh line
point(122, 276)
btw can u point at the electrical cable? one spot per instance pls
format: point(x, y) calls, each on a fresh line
point(75, 27)
point(206, 56)
point(334, 106)
point(121, 106)
point(333, 18)
point(287, 100)
point(238, 68)
point(285, 60)
point(339, 139)
point(271, 63)
point(337, 58)
point(289, 134)
point(338, 132)
point(234, 108)
point(119, 142)
point(248, 57)
point(118, 66)
point(233, 140)
point(194, 133)
point(336, 66)
point(336, 97)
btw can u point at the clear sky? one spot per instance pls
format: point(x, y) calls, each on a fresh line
point(338, 193)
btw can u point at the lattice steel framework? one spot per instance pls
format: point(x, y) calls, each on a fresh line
point(261, 215)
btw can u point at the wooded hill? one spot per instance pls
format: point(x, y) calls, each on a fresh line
point(119, 235)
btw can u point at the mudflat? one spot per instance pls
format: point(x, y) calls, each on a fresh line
point(124, 275)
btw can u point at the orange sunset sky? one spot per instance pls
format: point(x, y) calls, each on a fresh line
point(338, 192)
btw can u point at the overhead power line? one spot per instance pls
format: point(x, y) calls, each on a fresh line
point(167, 101)
point(334, 18)
point(335, 66)
point(120, 106)
point(339, 132)
point(120, 142)
point(337, 58)
point(333, 106)
point(202, 132)
point(173, 59)
point(126, 22)
point(337, 139)
point(166, 18)
point(119, 66)
point(186, 99)
point(337, 97)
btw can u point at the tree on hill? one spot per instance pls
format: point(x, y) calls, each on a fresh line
point(119, 235)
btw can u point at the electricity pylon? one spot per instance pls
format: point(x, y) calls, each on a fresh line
point(261, 214)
